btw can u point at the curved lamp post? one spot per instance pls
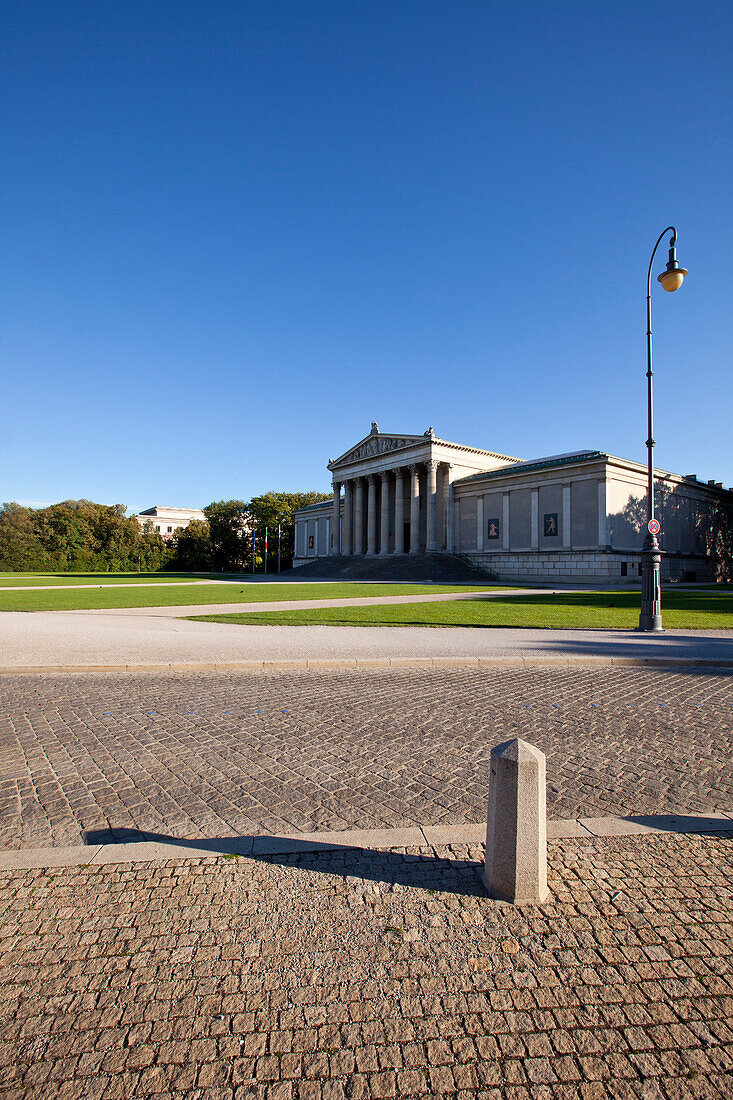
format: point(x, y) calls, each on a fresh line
point(651, 605)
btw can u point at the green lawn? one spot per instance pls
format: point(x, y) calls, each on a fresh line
point(172, 595)
point(695, 610)
point(43, 580)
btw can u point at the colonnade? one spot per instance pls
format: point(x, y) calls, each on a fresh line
point(373, 525)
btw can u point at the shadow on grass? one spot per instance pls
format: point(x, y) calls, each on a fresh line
point(718, 602)
point(616, 610)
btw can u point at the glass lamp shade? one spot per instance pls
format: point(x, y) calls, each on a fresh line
point(672, 280)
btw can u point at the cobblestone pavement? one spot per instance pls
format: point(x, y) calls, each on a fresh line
point(372, 974)
point(210, 754)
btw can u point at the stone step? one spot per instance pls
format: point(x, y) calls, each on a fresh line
point(438, 568)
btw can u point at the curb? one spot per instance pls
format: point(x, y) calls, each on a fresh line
point(357, 663)
point(427, 836)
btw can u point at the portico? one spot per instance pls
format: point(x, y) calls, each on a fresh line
point(398, 493)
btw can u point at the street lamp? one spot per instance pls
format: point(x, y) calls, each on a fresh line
point(651, 604)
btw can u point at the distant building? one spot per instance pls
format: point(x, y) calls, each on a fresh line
point(571, 517)
point(168, 520)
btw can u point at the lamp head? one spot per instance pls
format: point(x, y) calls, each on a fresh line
point(672, 278)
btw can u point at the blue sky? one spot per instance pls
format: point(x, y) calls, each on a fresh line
point(237, 232)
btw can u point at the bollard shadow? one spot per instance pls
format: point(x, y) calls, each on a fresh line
point(383, 866)
point(682, 823)
point(669, 646)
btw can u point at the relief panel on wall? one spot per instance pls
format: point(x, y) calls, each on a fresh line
point(550, 503)
point(492, 521)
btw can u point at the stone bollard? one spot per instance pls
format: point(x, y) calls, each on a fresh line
point(516, 830)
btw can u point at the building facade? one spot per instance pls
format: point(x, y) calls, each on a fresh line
point(579, 516)
point(168, 520)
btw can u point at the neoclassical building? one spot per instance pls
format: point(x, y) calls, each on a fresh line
point(168, 520)
point(575, 516)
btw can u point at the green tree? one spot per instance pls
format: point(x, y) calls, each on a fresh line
point(228, 528)
point(79, 536)
point(150, 552)
point(271, 509)
point(20, 549)
point(66, 535)
point(192, 547)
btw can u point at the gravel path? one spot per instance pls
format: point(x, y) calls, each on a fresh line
point(53, 638)
point(181, 611)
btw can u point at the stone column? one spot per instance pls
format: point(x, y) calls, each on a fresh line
point(432, 540)
point(336, 518)
point(480, 524)
point(534, 519)
point(384, 517)
point(516, 829)
point(450, 522)
point(505, 521)
point(566, 520)
point(448, 505)
point(346, 539)
point(415, 509)
point(372, 515)
point(399, 512)
point(359, 517)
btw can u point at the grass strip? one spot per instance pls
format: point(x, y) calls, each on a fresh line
point(170, 595)
point(49, 580)
point(709, 610)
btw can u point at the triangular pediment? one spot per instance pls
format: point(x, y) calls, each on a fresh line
point(376, 443)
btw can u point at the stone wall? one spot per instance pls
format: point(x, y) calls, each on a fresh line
point(592, 567)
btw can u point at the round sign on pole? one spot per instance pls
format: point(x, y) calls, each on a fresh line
point(653, 526)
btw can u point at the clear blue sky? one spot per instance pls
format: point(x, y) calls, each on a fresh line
point(236, 232)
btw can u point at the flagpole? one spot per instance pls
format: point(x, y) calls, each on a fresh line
point(265, 549)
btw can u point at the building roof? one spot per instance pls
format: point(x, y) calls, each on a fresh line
point(157, 509)
point(571, 458)
point(548, 463)
point(320, 504)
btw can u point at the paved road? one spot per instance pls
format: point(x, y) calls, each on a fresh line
point(52, 638)
point(372, 975)
point(222, 754)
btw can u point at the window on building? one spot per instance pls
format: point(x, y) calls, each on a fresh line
point(624, 568)
point(639, 567)
point(170, 530)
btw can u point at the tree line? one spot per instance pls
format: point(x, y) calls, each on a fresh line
point(225, 542)
point(80, 536)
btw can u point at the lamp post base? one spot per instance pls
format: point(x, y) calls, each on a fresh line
point(650, 619)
